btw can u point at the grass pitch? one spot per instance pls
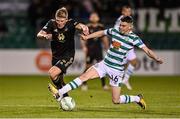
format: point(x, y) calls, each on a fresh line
point(28, 97)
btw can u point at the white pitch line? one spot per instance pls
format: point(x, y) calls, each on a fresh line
point(28, 106)
point(169, 106)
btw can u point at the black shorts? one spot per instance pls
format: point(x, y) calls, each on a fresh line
point(93, 58)
point(63, 62)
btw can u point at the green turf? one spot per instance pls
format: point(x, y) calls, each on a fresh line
point(27, 96)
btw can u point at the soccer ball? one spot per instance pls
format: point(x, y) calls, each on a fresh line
point(67, 103)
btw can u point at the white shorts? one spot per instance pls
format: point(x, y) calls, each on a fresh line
point(115, 76)
point(130, 55)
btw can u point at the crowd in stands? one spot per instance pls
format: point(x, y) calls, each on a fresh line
point(37, 12)
point(80, 9)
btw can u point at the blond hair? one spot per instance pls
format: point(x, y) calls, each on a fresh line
point(62, 12)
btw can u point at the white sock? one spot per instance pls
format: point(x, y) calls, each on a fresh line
point(129, 71)
point(128, 99)
point(70, 86)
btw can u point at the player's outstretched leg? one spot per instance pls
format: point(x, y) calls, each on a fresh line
point(91, 73)
point(70, 86)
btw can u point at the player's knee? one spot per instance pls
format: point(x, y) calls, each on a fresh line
point(52, 74)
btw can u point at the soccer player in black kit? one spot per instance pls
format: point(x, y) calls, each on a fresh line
point(60, 31)
point(93, 48)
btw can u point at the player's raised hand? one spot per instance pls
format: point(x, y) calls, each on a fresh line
point(159, 60)
point(85, 29)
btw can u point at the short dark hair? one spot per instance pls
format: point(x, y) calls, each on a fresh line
point(125, 7)
point(127, 19)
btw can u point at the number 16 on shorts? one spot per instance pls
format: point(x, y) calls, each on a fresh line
point(115, 80)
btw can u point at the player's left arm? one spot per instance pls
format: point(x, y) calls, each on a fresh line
point(152, 55)
point(138, 42)
point(46, 31)
point(82, 28)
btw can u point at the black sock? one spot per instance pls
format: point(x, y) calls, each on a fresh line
point(59, 83)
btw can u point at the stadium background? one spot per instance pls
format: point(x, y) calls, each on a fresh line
point(156, 21)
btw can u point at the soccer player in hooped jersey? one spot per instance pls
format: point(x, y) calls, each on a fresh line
point(60, 31)
point(123, 40)
point(131, 59)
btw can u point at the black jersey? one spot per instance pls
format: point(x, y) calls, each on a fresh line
point(95, 43)
point(62, 43)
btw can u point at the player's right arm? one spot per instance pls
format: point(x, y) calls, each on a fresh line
point(45, 32)
point(44, 35)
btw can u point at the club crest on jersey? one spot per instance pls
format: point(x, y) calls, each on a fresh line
point(61, 37)
point(116, 44)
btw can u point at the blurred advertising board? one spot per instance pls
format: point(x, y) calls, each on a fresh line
point(38, 62)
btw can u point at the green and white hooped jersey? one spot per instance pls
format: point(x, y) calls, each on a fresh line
point(120, 45)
